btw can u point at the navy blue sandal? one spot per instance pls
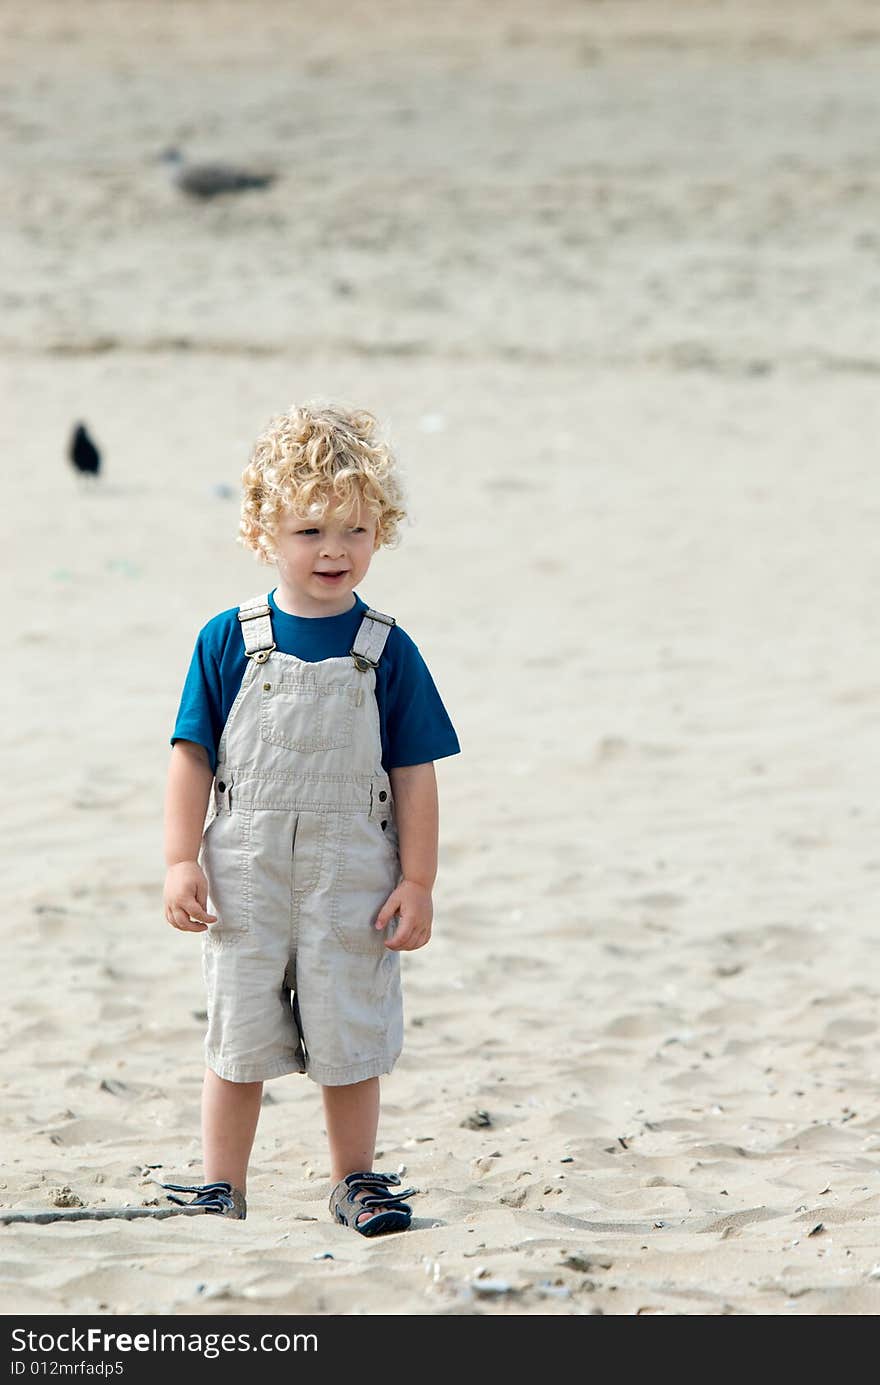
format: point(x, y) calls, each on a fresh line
point(220, 1198)
point(391, 1212)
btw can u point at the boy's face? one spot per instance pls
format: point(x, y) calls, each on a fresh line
point(321, 560)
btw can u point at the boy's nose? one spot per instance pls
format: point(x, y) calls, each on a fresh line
point(332, 548)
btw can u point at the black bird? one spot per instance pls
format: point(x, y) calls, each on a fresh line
point(207, 180)
point(83, 453)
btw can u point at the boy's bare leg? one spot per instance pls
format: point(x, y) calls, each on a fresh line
point(352, 1116)
point(230, 1111)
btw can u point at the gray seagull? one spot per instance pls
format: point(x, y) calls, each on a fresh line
point(206, 180)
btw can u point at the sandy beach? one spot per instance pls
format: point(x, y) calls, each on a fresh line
point(609, 275)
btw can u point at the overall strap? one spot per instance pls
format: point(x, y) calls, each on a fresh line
point(256, 628)
point(370, 639)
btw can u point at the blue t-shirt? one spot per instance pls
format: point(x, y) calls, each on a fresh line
point(415, 725)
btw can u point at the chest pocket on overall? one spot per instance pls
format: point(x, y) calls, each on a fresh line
point(305, 715)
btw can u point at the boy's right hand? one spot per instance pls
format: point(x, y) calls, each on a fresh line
point(186, 898)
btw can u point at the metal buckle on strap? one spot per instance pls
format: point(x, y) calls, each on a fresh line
point(255, 612)
point(260, 656)
point(370, 614)
point(362, 662)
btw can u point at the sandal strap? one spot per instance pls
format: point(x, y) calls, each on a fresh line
point(371, 1176)
point(382, 1200)
point(197, 1187)
point(375, 1187)
point(213, 1197)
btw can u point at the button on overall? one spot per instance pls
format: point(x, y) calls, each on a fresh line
point(301, 851)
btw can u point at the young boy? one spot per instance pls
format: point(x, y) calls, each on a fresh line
point(307, 729)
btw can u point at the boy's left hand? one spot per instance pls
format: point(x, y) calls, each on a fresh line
point(414, 905)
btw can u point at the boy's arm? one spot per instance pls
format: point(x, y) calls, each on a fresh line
point(415, 802)
point(186, 890)
point(186, 800)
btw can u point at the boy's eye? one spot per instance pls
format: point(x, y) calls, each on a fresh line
point(358, 529)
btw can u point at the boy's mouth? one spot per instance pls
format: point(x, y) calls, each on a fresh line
point(332, 576)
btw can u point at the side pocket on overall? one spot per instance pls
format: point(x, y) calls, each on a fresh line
point(366, 869)
point(225, 859)
point(210, 819)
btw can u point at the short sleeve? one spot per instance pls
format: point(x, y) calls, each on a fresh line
point(200, 714)
point(418, 727)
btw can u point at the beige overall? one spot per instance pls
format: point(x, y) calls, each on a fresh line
point(301, 851)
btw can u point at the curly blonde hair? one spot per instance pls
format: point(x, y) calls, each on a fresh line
point(313, 456)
